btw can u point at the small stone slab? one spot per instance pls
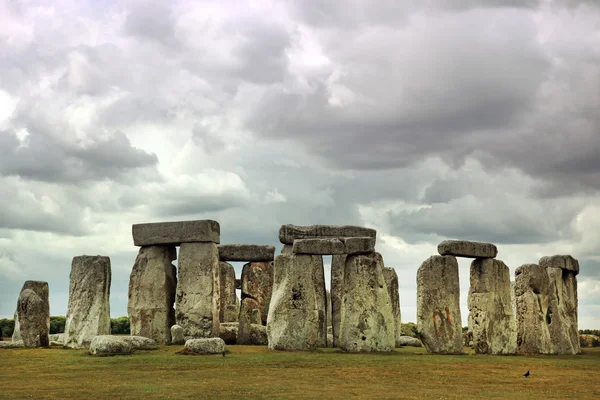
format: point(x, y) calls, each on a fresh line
point(175, 233)
point(11, 345)
point(337, 246)
point(289, 233)
point(565, 262)
point(408, 341)
point(246, 252)
point(107, 345)
point(205, 346)
point(140, 342)
point(464, 248)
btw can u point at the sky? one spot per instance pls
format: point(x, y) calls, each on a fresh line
point(425, 120)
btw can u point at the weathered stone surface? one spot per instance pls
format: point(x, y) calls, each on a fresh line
point(338, 264)
point(38, 319)
point(289, 233)
point(562, 311)
point(438, 305)
point(246, 252)
point(57, 337)
point(228, 332)
point(11, 345)
point(214, 345)
point(88, 312)
point(391, 281)
point(367, 320)
point(532, 297)
point(334, 246)
point(177, 335)
point(464, 248)
point(107, 345)
point(321, 293)
point(294, 319)
point(198, 290)
point(140, 342)
point(328, 306)
point(565, 262)
point(152, 286)
point(491, 318)
point(176, 233)
point(250, 314)
point(257, 284)
point(258, 335)
point(287, 249)
point(229, 307)
point(408, 341)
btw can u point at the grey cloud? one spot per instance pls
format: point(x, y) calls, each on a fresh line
point(153, 21)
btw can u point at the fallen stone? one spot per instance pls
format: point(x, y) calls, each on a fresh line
point(228, 332)
point(334, 246)
point(289, 233)
point(464, 248)
point(88, 312)
point(338, 264)
point(491, 318)
point(41, 289)
point(294, 319)
point(107, 345)
point(533, 305)
point(11, 345)
point(564, 262)
point(32, 324)
point(408, 341)
point(205, 346)
point(246, 252)
point(229, 309)
point(367, 320)
point(152, 286)
point(391, 281)
point(177, 335)
point(176, 233)
point(198, 290)
point(140, 342)
point(438, 305)
point(57, 337)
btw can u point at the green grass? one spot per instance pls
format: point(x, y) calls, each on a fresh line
point(250, 372)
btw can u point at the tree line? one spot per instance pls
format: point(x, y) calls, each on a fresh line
point(118, 326)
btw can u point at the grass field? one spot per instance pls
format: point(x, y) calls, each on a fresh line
point(250, 372)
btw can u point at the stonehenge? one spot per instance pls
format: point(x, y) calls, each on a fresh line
point(257, 286)
point(32, 316)
point(391, 280)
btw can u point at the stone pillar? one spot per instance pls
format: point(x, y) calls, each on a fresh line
point(198, 290)
point(257, 286)
point(491, 319)
point(41, 289)
point(391, 281)
point(562, 273)
point(152, 286)
point(533, 305)
point(367, 320)
point(338, 264)
point(293, 322)
point(438, 305)
point(88, 312)
point(32, 317)
point(229, 301)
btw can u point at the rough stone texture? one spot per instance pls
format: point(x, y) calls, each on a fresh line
point(229, 307)
point(258, 335)
point(176, 233)
point(57, 337)
point(563, 308)
point(287, 249)
point(328, 306)
point(438, 305)
point(107, 345)
point(152, 286)
point(140, 342)
point(289, 233)
point(249, 315)
point(88, 312)
point(367, 319)
point(334, 246)
point(464, 248)
point(228, 332)
point(34, 318)
point(11, 345)
point(391, 281)
point(294, 320)
point(257, 286)
point(214, 345)
point(198, 290)
point(246, 252)
point(338, 264)
point(408, 341)
point(177, 335)
point(41, 289)
point(533, 305)
point(565, 262)
point(491, 318)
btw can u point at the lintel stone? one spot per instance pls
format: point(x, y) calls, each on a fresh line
point(175, 233)
point(289, 233)
point(246, 252)
point(465, 248)
point(334, 246)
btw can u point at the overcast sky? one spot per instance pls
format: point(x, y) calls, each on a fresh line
point(425, 120)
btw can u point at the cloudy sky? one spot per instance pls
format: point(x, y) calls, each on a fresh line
point(426, 120)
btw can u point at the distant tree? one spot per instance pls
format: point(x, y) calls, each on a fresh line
point(120, 326)
point(590, 332)
point(409, 329)
point(465, 329)
point(7, 326)
point(57, 324)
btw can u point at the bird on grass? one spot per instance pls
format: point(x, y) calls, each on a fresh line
point(224, 356)
point(526, 374)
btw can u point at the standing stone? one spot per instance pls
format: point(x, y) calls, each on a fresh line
point(491, 319)
point(533, 317)
point(338, 264)
point(41, 289)
point(88, 312)
point(229, 301)
point(246, 252)
point(293, 322)
point(328, 306)
point(152, 286)
point(321, 292)
point(177, 335)
point(33, 310)
point(367, 320)
point(257, 286)
point(198, 290)
point(391, 281)
point(563, 326)
point(438, 305)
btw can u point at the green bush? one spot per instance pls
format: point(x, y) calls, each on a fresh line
point(120, 326)
point(7, 326)
point(57, 324)
point(595, 332)
point(409, 329)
